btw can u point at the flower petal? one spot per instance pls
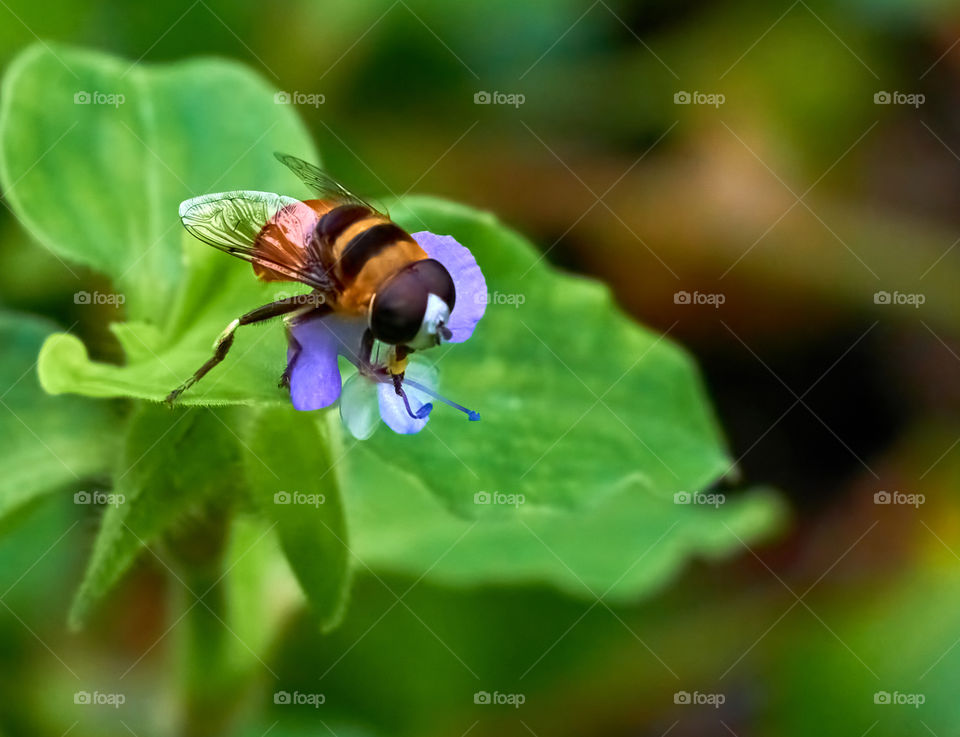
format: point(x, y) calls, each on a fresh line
point(359, 408)
point(467, 279)
point(392, 409)
point(315, 380)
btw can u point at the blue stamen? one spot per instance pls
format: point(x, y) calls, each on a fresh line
point(471, 415)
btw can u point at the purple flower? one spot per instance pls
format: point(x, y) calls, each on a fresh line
point(372, 392)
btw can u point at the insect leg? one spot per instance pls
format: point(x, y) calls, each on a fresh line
point(295, 349)
point(225, 341)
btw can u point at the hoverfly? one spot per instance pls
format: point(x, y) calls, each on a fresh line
point(357, 260)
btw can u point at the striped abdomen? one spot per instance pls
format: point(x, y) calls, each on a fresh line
point(362, 248)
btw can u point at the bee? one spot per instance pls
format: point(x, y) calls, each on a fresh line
point(358, 262)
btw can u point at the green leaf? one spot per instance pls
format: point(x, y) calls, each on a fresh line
point(578, 402)
point(625, 546)
point(250, 373)
point(261, 591)
point(48, 442)
point(100, 185)
point(595, 480)
point(581, 407)
point(172, 463)
point(294, 482)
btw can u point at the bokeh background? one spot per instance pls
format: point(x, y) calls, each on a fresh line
point(798, 198)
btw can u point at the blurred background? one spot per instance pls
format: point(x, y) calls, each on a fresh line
point(774, 185)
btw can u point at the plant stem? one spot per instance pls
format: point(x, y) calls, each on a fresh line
point(207, 687)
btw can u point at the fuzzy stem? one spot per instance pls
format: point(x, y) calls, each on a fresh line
point(208, 692)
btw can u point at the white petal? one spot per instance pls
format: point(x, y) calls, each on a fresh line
point(359, 408)
point(392, 409)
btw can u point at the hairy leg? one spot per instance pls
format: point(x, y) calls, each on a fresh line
point(225, 341)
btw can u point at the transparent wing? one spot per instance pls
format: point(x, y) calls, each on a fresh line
point(234, 222)
point(320, 182)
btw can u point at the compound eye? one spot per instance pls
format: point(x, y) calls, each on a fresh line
point(437, 280)
point(400, 305)
point(398, 310)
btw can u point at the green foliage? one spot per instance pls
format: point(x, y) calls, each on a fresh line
point(172, 462)
point(48, 443)
point(895, 643)
point(629, 543)
point(495, 596)
point(578, 402)
point(590, 421)
point(294, 482)
point(261, 591)
point(106, 195)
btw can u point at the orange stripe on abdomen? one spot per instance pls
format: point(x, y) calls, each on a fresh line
point(377, 269)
